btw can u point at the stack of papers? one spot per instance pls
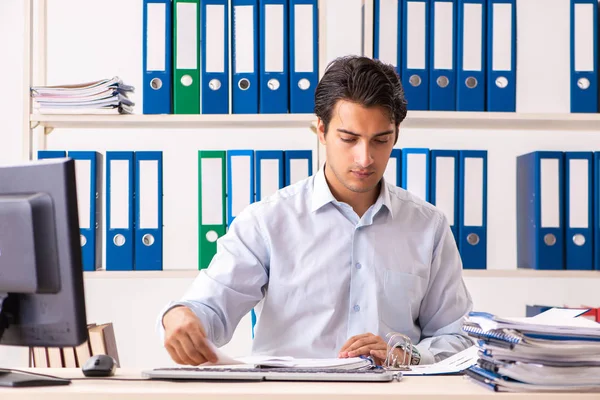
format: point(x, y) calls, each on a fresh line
point(553, 351)
point(107, 96)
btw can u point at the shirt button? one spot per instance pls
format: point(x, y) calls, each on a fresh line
point(358, 266)
point(357, 308)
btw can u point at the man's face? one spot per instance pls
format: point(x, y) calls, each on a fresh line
point(358, 143)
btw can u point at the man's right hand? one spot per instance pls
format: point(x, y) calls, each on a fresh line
point(185, 337)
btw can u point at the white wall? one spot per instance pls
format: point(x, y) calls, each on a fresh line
point(105, 40)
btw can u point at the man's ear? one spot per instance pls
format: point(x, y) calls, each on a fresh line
point(321, 131)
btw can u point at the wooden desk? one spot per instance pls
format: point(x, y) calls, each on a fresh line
point(411, 387)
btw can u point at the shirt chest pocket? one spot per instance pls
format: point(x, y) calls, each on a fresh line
point(402, 295)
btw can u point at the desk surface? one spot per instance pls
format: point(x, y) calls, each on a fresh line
point(411, 387)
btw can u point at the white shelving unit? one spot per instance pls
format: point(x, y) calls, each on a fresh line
point(36, 127)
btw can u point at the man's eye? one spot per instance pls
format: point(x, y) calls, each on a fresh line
point(382, 141)
point(348, 140)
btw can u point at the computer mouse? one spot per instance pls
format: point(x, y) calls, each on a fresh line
point(99, 365)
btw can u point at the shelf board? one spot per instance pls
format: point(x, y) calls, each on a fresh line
point(415, 119)
point(498, 273)
point(172, 121)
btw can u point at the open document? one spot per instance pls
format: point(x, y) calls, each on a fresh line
point(452, 365)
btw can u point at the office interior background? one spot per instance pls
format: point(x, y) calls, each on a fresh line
point(92, 40)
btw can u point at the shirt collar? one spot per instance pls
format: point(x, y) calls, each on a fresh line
point(322, 194)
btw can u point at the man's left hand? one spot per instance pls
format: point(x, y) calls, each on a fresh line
point(367, 344)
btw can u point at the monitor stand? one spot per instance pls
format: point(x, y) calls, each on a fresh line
point(11, 378)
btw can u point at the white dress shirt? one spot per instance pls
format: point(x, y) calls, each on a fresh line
point(318, 274)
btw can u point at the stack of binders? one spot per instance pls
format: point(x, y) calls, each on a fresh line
point(492, 55)
point(557, 206)
point(548, 353)
point(229, 56)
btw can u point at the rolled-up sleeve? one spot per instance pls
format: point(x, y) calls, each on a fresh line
point(233, 283)
point(446, 303)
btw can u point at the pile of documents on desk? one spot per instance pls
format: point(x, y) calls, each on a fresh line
point(107, 96)
point(556, 351)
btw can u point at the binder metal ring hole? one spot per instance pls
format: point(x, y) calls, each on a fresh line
point(415, 80)
point(501, 82)
point(83, 240)
point(549, 239)
point(579, 239)
point(156, 83)
point(212, 236)
point(473, 239)
point(119, 240)
point(273, 84)
point(471, 82)
point(304, 84)
point(186, 80)
point(443, 81)
point(214, 84)
point(148, 239)
point(244, 84)
point(583, 83)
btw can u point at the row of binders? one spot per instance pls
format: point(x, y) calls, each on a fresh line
point(188, 45)
point(250, 176)
point(558, 197)
point(134, 215)
point(267, 56)
point(134, 199)
point(455, 181)
point(469, 55)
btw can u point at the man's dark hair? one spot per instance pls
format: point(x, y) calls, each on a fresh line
point(360, 80)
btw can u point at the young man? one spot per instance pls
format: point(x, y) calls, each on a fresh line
point(335, 262)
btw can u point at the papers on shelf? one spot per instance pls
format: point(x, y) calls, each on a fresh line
point(107, 96)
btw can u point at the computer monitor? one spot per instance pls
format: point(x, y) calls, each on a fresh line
point(42, 299)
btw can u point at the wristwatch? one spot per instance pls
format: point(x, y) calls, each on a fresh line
point(415, 356)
